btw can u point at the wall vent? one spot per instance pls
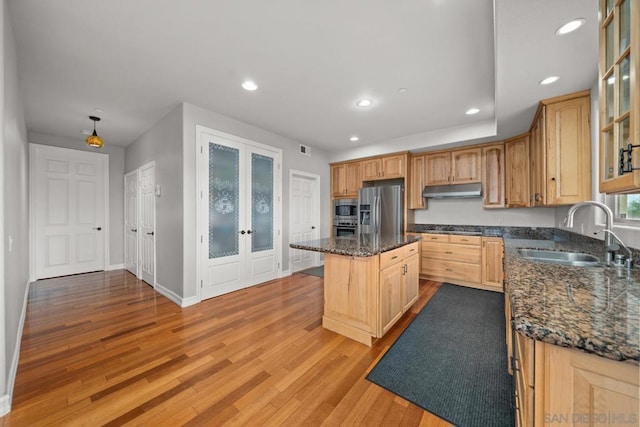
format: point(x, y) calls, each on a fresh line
point(305, 150)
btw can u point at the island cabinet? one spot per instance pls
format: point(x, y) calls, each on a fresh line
point(365, 296)
point(564, 386)
point(454, 167)
point(561, 151)
point(619, 96)
point(386, 167)
point(346, 179)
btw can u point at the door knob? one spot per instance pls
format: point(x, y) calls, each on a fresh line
point(242, 232)
point(97, 228)
point(249, 231)
point(151, 234)
point(135, 230)
point(313, 227)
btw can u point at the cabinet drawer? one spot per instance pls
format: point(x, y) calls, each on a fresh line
point(391, 257)
point(411, 249)
point(465, 240)
point(435, 237)
point(452, 252)
point(451, 269)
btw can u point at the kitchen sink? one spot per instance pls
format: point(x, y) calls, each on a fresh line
point(575, 259)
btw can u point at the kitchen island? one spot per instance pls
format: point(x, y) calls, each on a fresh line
point(370, 281)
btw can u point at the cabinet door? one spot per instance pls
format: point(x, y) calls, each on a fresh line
point(394, 166)
point(416, 183)
point(390, 296)
point(338, 180)
point(493, 172)
point(517, 172)
point(411, 282)
point(438, 168)
point(353, 179)
point(466, 166)
point(569, 152)
point(492, 254)
point(537, 162)
point(371, 169)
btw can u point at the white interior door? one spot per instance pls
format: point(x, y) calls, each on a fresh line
point(304, 217)
point(131, 222)
point(239, 208)
point(68, 208)
point(147, 223)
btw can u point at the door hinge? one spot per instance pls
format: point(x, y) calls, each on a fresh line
point(201, 150)
point(201, 284)
point(278, 265)
point(201, 239)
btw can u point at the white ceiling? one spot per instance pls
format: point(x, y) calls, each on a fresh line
point(137, 60)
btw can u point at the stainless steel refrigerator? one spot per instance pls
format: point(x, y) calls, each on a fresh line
point(380, 210)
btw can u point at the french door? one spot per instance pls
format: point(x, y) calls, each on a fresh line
point(239, 209)
point(68, 211)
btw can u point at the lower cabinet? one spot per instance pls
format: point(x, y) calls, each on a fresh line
point(463, 260)
point(563, 386)
point(365, 296)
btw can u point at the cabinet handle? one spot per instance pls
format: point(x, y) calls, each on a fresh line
point(464, 240)
point(434, 238)
point(394, 257)
point(448, 252)
point(553, 178)
point(448, 269)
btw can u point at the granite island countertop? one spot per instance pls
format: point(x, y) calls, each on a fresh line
point(595, 309)
point(360, 245)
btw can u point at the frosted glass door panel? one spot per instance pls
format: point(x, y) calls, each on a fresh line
point(261, 203)
point(224, 177)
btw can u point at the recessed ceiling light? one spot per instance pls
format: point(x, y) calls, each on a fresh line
point(402, 90)
point(570, 27)
point(472, 111)
point(354, 138)
point(365, 102)
point(249, 85)
point(549, 80)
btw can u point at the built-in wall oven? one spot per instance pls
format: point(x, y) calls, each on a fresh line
point(345, 217)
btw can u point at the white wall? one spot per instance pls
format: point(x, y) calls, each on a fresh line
point(116, 186)
point(318, 164)
point(15, 212)
point(163, 144)
point(470, 212)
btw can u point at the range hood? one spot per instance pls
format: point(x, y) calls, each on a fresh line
point(453, 190)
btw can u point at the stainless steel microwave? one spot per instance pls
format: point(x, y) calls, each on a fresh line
point(345, 210)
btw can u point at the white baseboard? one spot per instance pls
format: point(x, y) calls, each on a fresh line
point(115, 267)
point(286, 273)
point(182, 302)
point(5, 401)
point(5, 405)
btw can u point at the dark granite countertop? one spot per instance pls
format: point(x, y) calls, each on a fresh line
point(361, 245)
point(595, 309)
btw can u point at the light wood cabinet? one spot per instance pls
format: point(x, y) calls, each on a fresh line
point(619, 96)
point(517, 171)
point(346, 179)
point(493, 176)
point(492, 257)
point(387, 167)
point(462, 260)
point(416, 182)
point(365, 296)
point(561, 144)
point(454, 167)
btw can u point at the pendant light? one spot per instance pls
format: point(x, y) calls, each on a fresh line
point(94, 140)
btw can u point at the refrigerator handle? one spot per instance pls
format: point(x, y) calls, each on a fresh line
point(378, 213)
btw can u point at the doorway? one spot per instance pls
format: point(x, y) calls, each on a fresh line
point(304, 217)
point(239, 212)
point(68, 211)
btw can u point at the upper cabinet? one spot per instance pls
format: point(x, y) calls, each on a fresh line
point(619, 96)
point(346, 179)
point(561, 151)
point(387, 167)
point(454, 167)
point(493, 173)
point(417, 173)
point(517, 171)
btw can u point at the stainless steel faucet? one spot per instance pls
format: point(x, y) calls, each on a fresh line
point(568, 222)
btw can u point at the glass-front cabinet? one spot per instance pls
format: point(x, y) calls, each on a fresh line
point(619, 96)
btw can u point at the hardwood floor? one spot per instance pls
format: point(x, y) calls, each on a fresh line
point(105, 349)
